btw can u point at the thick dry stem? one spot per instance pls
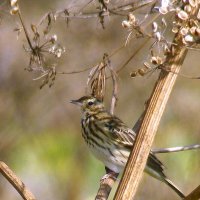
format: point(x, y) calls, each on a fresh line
point(16, 182)
point(194, 195)
point(138, 157)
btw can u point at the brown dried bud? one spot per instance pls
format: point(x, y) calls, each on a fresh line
point(184, 31)
point(193, 3)
point(156, 60)
point(14, 10)
point(187, 8)
point(126, 24)
point(183, 15)
point(13, 3)
point(133, 74)
point(141, 72)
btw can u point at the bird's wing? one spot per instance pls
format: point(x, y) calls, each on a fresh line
point(123, 136)
point(154, 163)
point(118, 132)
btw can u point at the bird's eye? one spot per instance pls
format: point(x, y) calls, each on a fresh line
point(90, 103)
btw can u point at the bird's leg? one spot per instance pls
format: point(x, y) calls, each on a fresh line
point(110, 174)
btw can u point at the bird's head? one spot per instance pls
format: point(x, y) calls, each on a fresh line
point(89, 104)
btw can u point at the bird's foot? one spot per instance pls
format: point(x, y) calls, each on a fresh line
point(110, 175)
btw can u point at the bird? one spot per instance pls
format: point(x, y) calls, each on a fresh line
point(110, 140)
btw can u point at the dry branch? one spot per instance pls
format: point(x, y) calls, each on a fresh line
point(16, 182)
point(105, 188)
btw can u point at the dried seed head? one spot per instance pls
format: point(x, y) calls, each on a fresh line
point(106, 1)
point(175, 29)
point(154, 26)
point(126, 24)
point(164, 23)
point(158, 36)
point(165, 3)
point(34, 28)
point(166, 49)
point(141, 72)
point(13, 3)
point(131, 17)
point(193, 3)
point(14, 10)
point(193, 30)
point(198, 15)
point(198, 31)
point(163, 10)
point(146, 65)
point(183, 15)
point(188, 39)
point(133, 74)
point(53, 38)
point(187, 8)
point(156, 60)
point(184, 31)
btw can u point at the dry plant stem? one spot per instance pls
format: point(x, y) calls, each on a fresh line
point(25, 31)
point(138, 157)
point(105, 188)
point(194, 195)
point(176, 149)
point(16, 182)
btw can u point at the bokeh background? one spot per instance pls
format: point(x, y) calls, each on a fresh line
point(40, 137)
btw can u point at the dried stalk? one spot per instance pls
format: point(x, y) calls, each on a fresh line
point(194, 195)
point(105, 188)
point(138, 157)
point(16, 182)
point(176, 149)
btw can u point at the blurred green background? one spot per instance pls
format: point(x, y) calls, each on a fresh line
point(40, 137)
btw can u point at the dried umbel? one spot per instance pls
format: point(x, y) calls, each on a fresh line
point(134, 27)
point(39, 47)
point(97, 77)
point(182, 15)
point(186, 25)
point(48, 77)
point(131, 21)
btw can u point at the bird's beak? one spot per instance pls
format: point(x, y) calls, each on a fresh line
point(76, 102)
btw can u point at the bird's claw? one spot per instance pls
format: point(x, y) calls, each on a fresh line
point(109, 176)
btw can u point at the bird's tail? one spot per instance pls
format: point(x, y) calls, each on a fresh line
point(173, 187)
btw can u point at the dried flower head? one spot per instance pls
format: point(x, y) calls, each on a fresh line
point(97, 77)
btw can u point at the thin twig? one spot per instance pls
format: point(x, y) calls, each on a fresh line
point(132, 56)
point(105, 188)
point(76, 72)
point(25, 31)
point(176, 149)
point(121, 10)
point(16, 182)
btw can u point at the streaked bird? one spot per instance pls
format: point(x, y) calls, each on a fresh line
point(111, 141)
